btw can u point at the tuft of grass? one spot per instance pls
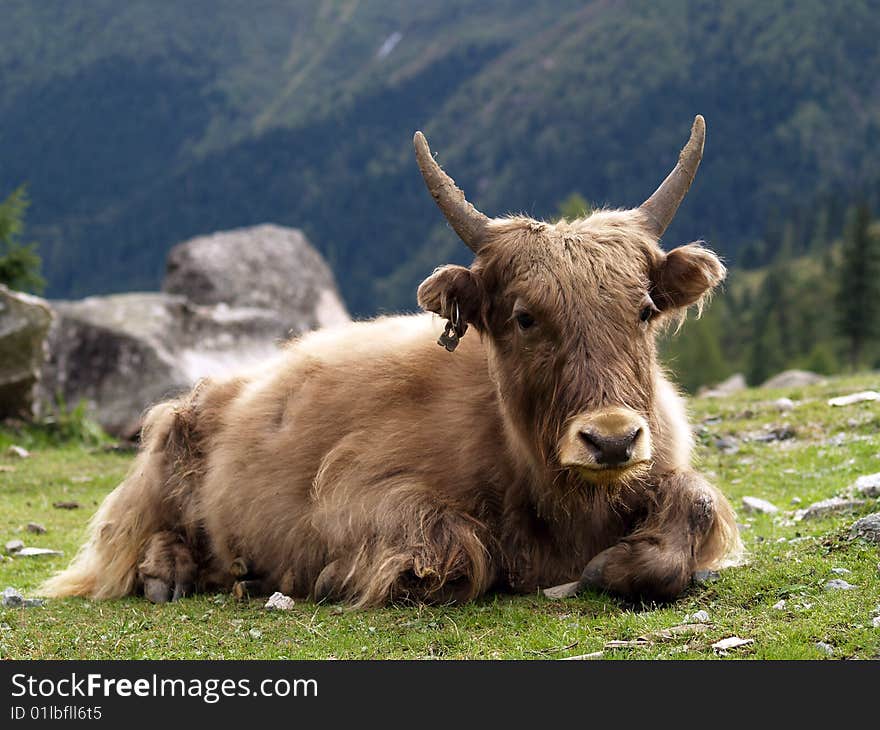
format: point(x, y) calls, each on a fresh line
point(788, 561)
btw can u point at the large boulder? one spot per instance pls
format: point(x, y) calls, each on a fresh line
point(229, 299)
point(24, 323)
point(124, 352)
point(734, 384)
point(793, 379)
point(266, 266)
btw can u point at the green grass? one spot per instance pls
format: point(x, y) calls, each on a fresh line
point(816, 464)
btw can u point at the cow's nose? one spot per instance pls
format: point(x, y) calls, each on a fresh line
point(610, 450)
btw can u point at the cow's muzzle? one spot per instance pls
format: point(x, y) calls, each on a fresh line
point(606, 445)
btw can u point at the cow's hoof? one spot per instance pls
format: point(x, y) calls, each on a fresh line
point(566, 590)
point(239, 568)
point(157, 590)
point(592, 575)
point(245, 589)
point(327, 583)
point(181, 590)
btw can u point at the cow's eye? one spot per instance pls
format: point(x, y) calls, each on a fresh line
point(648, 310)
point(524, 320)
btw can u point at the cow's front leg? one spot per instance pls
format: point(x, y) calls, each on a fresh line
point(689, 526)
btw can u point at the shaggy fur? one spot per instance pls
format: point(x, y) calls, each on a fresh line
point(367, 465)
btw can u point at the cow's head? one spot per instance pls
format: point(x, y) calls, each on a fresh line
point(570, 312)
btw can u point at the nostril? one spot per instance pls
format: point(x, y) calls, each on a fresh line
point(593, 442)
point(633, 437)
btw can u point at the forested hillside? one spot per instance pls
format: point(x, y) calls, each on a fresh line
point(138, 124)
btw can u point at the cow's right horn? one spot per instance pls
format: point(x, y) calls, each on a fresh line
point(465, 220)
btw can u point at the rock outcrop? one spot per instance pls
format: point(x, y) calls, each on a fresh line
point(24, 323)
point(733, 384)
point(230, 299)
point(267, 266)
point(793, 379)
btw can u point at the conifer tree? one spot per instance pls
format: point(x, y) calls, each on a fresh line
point(858, 297)
point(19, 263)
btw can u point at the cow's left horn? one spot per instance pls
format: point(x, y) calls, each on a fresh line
point(465, 220)
point(660, 208)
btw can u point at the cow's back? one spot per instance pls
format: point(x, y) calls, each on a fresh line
point(325, 425)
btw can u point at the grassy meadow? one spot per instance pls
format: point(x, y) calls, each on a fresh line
point(777, 600)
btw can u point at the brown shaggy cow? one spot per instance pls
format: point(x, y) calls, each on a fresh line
point(366, 464)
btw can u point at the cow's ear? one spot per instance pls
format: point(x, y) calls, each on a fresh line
point(684, 276)
point(454, 285)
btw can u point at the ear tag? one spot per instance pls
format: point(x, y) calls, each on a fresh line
point(454, 330)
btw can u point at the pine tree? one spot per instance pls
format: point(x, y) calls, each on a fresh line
point(19, 263)
point(858, 297)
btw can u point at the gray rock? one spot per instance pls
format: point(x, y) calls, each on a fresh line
point(792, 379)
point(124, 352)
point(867, 528)
point(826, 649)
point(832, 506)
point(727, 444)
point(19, 452)
point(733, 384)
point(264, 267)
point(24, 324)
point(700, 617)
point(33, 552)
point(14, 546)
point(778, 433)
point(12, 598)
point(779, 605)
point(229, 300)
point(875, 622)
point(783, 404)
point(757, 505)
point(838, 584)
point(841, 571)
point(848, 400)
point(867, 486)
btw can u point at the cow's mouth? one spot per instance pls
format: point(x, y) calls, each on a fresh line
point(607, 475)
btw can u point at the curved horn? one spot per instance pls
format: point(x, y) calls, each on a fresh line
point(660, 208)
point(466, 220)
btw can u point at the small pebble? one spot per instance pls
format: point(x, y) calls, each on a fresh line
point(796, 500)
point(12, 597)
point(826, 649)
point(65, 505)
point(758, 505)
point(256, 634)
point(13, 546)
point(779, 605)
point(784, 404)
point(279, 602)
point(841, 571)
point(36, 528)
point(837, 584)
point(876, 622)
point(18, 451)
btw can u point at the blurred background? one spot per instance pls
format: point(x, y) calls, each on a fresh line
point(127, 128)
